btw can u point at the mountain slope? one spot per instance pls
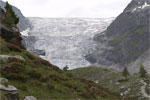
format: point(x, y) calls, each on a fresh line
point(128, 36)
point(37, 77)
point(114, 81)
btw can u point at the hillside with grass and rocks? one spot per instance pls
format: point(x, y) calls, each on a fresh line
point(25, 76)
point(32, 59)
point(133, 85)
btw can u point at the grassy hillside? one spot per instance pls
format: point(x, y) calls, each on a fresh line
point(33, 76)
point(37, 77)
point(113, 81)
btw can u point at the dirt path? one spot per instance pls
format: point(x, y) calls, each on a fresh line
point(143, 89)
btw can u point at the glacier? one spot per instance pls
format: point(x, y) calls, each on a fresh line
point(66, 41)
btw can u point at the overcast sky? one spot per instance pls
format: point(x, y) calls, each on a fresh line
point(70, 8)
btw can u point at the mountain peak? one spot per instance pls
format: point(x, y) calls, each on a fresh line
point(138, 5)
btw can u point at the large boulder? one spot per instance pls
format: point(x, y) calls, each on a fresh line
point(10, 92)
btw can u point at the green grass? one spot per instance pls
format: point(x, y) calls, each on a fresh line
point(39, 78)
point(117, 39)
point(141, 30)
point(109, 79)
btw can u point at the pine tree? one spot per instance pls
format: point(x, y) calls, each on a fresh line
point(125, 72)
point(65, 68)
point(142, 72)
point(10, 18)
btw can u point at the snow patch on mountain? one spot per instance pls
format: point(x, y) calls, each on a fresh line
point(141, 7)
point(25, 32)
point(65, 41)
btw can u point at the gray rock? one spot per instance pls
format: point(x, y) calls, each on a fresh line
point(30, 98)
point(10, 92)
point(5, 57)
point(128, 35)
point(3, 80)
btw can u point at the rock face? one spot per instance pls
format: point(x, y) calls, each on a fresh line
point(6, 57)
point(23, 22)
point(128, 35)
point(10, 92)
point(130, 32)
point(144, 59)
point(10, 34)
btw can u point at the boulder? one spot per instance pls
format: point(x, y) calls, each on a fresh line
point(3, 80)
point(5, 57)
point(30, 98)
point(10, 92)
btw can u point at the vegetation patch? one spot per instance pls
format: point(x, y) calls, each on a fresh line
point(15, 71)
point(12, 47)
point(141, 30)
point(117, 39)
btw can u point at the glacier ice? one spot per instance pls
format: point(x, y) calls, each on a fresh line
point(66, 41)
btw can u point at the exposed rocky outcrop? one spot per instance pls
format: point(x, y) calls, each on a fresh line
point(128, 36)
point(6, 57)
point(10, 34)
point(144, 59)
point(130, 32)
point(10, 92)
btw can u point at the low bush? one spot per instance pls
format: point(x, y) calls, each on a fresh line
point(50, 86)
point(69, 85)
point(44, 79)
point(37, 63)
point(14, 71)
point(23, 88)
point(34, 74)
point(44, 62)
point(56, 68)
point(30, 56)
point(56, 78)
point(69, 75)
point(12, 47)
point(86, 94)
point(13, 59)
point(73, 86)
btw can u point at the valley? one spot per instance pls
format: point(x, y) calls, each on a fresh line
point(75, 58)
point(66, 41)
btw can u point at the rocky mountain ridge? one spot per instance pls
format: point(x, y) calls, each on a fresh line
point(128, 36)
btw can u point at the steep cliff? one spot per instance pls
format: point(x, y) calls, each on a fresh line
point(130, 32)
point(128, 36)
